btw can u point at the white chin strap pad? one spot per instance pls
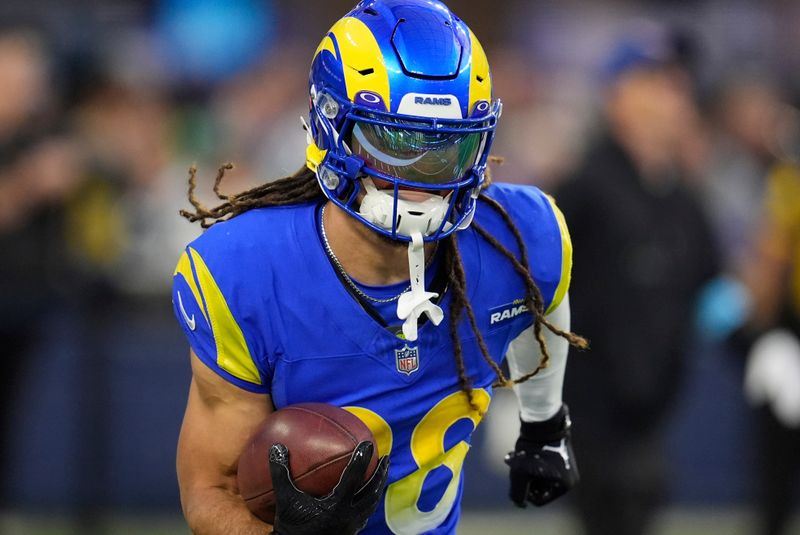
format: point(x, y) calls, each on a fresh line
point(423, 217)
point(416, 301)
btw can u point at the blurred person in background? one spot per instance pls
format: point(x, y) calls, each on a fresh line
point(39, 168)
point(264, 132)
point(132, 180)
point(745, 116)
point(642, 250)
point(752, 192)
point(745, 112)
point(772, 375)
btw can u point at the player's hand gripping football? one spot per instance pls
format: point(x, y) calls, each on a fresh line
point(542, 463)
point(342, 512)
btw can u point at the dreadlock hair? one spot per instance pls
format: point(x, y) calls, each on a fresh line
point(298, 188)
point(302, 187)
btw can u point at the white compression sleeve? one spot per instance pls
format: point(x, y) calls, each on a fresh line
point(540, 397)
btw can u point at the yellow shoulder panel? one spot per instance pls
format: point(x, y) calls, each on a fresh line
point(184, 269)
point(566, 258)
point(233, 355)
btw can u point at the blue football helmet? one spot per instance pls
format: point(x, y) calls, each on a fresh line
point(401, 117)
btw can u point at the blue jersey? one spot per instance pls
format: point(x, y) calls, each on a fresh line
point(263, 307)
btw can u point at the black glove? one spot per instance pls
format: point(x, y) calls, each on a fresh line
point(342, 512)
point(542, 463)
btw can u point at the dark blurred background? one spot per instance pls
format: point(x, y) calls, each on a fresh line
point(103, 107)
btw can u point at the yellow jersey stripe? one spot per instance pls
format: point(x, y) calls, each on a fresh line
point(233, 355)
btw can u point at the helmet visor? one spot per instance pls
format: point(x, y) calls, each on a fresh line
point(416, 155)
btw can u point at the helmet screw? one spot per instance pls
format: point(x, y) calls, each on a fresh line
point(330, 108)
point(329, 178)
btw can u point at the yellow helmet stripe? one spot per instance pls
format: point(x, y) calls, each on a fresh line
point(480, 83)
point(233, 355)
point(326, 44)
point(360, 51)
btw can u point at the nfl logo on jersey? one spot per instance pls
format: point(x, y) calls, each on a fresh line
point(407, 359)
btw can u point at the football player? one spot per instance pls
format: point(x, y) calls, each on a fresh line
point(372, 280)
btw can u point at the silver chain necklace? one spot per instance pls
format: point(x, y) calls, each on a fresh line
point(344, 274)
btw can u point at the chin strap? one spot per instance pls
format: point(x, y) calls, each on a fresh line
point(416, 301)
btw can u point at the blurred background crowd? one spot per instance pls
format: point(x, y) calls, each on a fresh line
point(667, 130)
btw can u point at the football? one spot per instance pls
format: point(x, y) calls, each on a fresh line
point(321, 439)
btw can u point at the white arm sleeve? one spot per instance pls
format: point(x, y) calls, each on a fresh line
point(540, 397)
